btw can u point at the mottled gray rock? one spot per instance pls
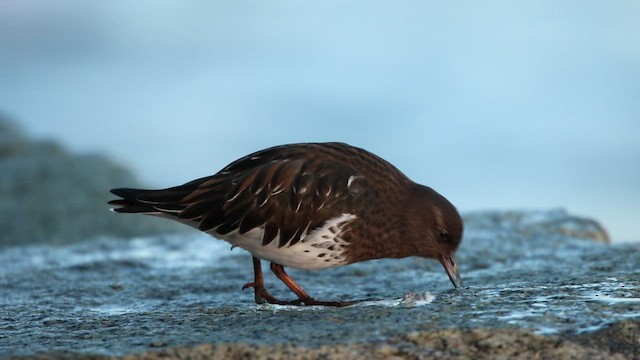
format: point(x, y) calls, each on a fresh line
point(48, 195)
point(555, 225)
point(543, 296)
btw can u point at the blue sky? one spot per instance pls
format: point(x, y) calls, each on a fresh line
point(497, 105)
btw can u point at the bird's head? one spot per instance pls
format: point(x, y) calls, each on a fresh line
point(437, 229)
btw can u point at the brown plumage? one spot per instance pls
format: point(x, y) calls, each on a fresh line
point(310, 206)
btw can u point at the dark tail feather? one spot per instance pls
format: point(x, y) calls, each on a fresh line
point(130, 202)
point(149, 201)
point(164, 202)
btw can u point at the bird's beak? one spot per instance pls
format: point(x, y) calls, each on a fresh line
point(452, 270)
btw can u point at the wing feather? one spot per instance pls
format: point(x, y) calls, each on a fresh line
point(287, 191)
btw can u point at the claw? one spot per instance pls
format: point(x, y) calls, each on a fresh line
point(248, 285)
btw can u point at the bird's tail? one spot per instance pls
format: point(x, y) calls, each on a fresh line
point(151, 202)
point(129, 201)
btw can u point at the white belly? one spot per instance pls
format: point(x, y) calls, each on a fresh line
point(320, 248)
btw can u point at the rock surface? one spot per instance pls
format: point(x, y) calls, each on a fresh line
point(529, 295)
point(440, 344)
point(555, 225)
point(48, 195)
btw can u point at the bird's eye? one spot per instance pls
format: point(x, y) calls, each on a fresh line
point(444, 235)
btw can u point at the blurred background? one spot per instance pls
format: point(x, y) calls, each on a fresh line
point(496, 105)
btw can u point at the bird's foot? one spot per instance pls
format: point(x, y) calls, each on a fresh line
point(262, 295)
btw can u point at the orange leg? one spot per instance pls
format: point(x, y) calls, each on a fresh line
point(261, 293)
point(302, 295)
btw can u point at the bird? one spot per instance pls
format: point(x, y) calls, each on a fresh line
point(310, 206)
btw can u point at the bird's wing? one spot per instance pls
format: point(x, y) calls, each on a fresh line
point(287, 196)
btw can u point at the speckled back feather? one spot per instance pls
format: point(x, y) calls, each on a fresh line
point(287, 190)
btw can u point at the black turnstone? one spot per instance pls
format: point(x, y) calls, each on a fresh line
point(310, 206)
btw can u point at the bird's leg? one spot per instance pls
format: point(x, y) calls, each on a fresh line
point(261, 293)
point(302, 295)
point(258, 282)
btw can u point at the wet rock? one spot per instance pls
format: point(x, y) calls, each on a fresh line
point(161, 296)
point(557, 224)
point(48, 195)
